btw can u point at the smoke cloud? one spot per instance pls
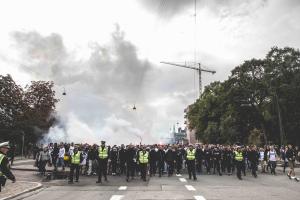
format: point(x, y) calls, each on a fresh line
point(102, 89)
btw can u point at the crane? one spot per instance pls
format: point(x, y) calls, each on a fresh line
point(199, 69)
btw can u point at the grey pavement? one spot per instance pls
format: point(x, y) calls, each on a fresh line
point(266, 186)
point(18, 188)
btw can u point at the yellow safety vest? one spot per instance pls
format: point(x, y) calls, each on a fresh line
point(143, 158)
point(76, 158)
point(238, 156)
point(103, 153)
point(190, 155)
point(1, 158)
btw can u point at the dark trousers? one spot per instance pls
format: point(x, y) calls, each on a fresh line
point(160, 167)
point(143, 169)
point(170, 167)
point(208, 165)
point(191, 168)
point(102, 169)
point(178, 166)
point(217, 166)
point(199, 165)
point(130, 169)
point(273, 166)
point(239, 166)
point(73, 167)
point(42, 166)
point(152, 168)
point(114, 166)
point(253, 166)
point(122, 167)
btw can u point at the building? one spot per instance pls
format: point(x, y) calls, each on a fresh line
point(191, 134)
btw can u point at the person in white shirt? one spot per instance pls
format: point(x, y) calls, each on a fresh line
point(262, 160)
point(61, 155)
point(272, 156)
point(71, 149)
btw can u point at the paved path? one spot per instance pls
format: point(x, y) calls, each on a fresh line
point(20, 187)
point(207, 187)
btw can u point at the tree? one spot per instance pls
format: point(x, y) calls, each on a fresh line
point(29, 111)
point(261, 99)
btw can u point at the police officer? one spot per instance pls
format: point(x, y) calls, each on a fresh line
point(4, 169)
point(238, 156)
point(102, 162)
point(190, 160)
point(76, 159)
point(143, 159)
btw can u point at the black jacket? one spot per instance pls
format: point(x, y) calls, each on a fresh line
point(5, 170)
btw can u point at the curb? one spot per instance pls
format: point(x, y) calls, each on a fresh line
point(27, 169)
point(39, 185)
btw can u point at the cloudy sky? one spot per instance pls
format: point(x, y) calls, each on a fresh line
point(107, 54)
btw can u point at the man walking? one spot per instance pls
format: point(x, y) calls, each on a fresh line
point(143, 158)
point(238, 156)
point(102, 162)
point(76, 159)
point(190, 159)
point(4, 169)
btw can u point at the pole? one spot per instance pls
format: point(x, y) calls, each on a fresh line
point(282, 138)
point(23, 141)
point(200, 81)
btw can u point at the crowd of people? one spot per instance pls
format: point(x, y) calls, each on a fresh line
point(164, 160)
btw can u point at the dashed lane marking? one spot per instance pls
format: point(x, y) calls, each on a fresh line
point(190, 187)
point(123, 188)
point(116, 197)
point(182, 179)
point(199, 198)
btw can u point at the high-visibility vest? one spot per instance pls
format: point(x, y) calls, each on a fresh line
point(190, 155)
point(143, 158)
point(238, 156)
point(76, 158)
point(1, 158)
point(103, 153)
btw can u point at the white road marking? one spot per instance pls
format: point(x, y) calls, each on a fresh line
point(116, 197)
point(199, 198)
point(178, 174)
point(190, 187)
point(182, 179)
point(123, 188)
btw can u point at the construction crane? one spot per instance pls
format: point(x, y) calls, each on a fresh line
point(199, 69)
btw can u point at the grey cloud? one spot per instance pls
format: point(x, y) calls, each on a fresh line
point(166, 9)
point(102, 89)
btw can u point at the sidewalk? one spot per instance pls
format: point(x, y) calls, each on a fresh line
point(12, 190)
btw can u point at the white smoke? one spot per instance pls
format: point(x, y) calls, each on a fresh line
point(102, 89)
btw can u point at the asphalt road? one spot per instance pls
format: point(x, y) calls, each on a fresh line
point(266, 186)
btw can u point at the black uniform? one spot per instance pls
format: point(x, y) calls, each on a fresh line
point(179, 160)
point(170, 159)
point(253, 157)
point(75, 167)
point(122, 158)
point(199, 159)
point(114, 156)
point(6, 173)
point(208, 159)
point(217, 160)
point(153, 161)
point(102, 166)
point(160, 161)
point(130, 158)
